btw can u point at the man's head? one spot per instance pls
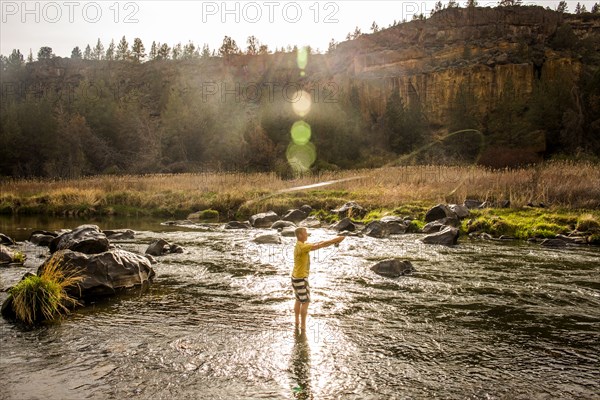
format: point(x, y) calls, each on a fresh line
point(301, 234)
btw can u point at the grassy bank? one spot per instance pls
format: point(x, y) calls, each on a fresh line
point(570, 191)
point(561, 184)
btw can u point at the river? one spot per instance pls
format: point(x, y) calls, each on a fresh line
point(481, 320)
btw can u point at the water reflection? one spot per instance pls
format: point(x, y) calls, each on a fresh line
point(300, 367)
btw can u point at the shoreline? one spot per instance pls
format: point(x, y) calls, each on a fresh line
point(542, 201)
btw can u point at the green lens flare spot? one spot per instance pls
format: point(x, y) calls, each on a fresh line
point(301, 156)
point(301, 132)
point(302, 59)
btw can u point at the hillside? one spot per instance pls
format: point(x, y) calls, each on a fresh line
point(525, 77)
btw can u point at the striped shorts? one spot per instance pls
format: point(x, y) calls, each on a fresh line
point(301, 289)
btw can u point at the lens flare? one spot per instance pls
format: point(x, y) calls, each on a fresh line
point(301, 156)
point(302, 103)
point(302, 57)
point(300, 132)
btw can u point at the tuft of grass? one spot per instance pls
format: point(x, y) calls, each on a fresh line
point(19, 257)
point(588, 223)
point(44, 297)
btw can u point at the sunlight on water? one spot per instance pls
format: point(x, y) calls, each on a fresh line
point(480, 320)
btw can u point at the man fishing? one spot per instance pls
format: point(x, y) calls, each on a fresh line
point(301, 271)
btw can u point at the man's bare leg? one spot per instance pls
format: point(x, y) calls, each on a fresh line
point(304, 313)
point(297, 312)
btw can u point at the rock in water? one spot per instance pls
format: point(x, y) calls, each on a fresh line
point(263, 220)
point(119, 234)
point(344, 225)
point(161, 247)
point(86, 239)
point(269, 238)
point(310, 222)
point(393, 268)
point(447, 237)
point(237, 225)
point(283, 224)
point(295, 216)
point(288, 232)
point(6, 255)
point(376, 229)
point(6, 240)
point(105, 273)
point(42, 238)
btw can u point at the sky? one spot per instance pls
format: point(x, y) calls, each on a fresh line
point(62, 25)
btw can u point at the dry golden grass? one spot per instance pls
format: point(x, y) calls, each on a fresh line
point(561, 184)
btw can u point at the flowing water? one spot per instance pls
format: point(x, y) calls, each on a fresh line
point(482, 320)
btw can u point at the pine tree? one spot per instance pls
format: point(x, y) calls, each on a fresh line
point(332, 46)
point(153, 51)
point(263, 49)
point(253, 45)
point(228, 47)
point(578, 8)
point(98, 52)
point(205, 52)
point(176, 52)
point(87, 54)
point(138, 51)
point(472, 3)
point(562, 7)
point(110, 51)
point(163, 52)
point(123, 50)
point(596, 9)
point(374, 27)
point(76, 53)
point(189, 51)
point(452, 4)
point(45, 53)
point(30, 56)
point(15, 59)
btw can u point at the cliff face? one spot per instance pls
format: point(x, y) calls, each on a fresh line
point(479, 50)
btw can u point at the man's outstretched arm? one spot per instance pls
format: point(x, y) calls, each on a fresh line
point(320, 245)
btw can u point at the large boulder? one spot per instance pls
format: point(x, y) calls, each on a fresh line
point(283, 224)
point(268, 238)
point(433, 226)
point(460, 210)
point(160, 247)
point(263, 220)
point(119, 234)
point(295, 216)
point(42, 238)
point(237, 225)
point(447, 237)
point(393, 268)
point(376, 229)
point(6, 254)
point(351, 210)
point(6, 240)
point(310, 222)
point(306, 209)
point(474, 204)
point(439, 212)
point(105, 273)
point(395, 225)
point(345, 224)
point(86, 239)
